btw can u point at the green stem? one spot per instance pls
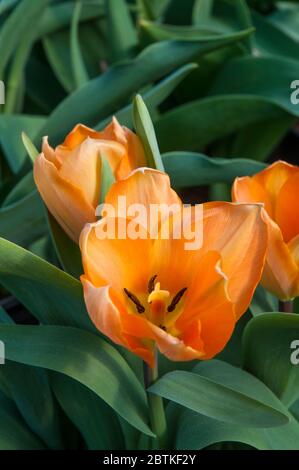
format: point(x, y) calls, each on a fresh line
point(156, 408)
point(286, 306)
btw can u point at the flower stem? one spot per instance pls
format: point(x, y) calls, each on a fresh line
point(156, 408)
point(286, 306)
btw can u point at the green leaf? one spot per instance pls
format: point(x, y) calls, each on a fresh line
point(187, 169)
point(20, 190)
point(67, 251)
point(152, 9)
point(117, 85)
point(146, 132)
point(287, 20)
point(163, 32)
point(95, 420)
point(202, 11)
point(235, 401)
point(152, 98)
point(84, 357)
point(11, 128)
point(30, 147)
point(203, 121)
point(16, 26)
point(14, 434)
point(51, 295)
point(268, 349)
point(30, 390)
point(121, 31)
point(23, 221)
point(273, 76)
point(79, 70)
point(58, 16)
point(107, 179)
point(57, 50)
point(195, 431)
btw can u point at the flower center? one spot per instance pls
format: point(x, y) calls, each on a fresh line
point(157, 307)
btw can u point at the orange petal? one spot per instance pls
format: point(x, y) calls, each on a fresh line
point(208, 303)
point(247, 189)
point(121, 263)
point(239, 233)
point(65, 201)
point(77, 136)
point(82, 166)
point(109, 318)
point(287, 208)
point(273, 178)
point(145, 187)
point(281, 273)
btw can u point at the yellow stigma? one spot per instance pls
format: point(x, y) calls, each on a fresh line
point(158, 304)
point(157, 294)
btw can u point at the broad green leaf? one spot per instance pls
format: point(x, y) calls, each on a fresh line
point(67, 251)
point(57, 50)
point(196, 431)
point(152, 9)
point(57, 16)
point(269, 346)
point(146, 132)
point(23, 221)
point(194, 125)
point(232, 402)
point(164, 32)
point(20, 190)
point(15, 28)
point(202, 11)
point(84, 357)
point(117, 85)
point(11, 128)
point(188, 169)
point(287, 20)
point(273, 76)
point(120, 29)
point(152, 98)
point(7, 5)
point(30, 147)
point(51, 295)
point(14, 434)
point(97, 423)
point(270, 39)
point(79, 70)
point(30, 390)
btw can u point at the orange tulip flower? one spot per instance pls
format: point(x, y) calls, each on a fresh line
point(144, 292)
point(69, 177)
point(278, 188)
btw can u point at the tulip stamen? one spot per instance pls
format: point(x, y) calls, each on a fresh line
point(140, 308)
point(176, 300)
point(151, 284)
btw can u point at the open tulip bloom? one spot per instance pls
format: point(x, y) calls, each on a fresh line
point(277, 187)
point(146, 292)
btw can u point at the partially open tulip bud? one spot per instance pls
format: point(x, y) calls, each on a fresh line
point(152, 291)
point(69, 176)
point(278, 188)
